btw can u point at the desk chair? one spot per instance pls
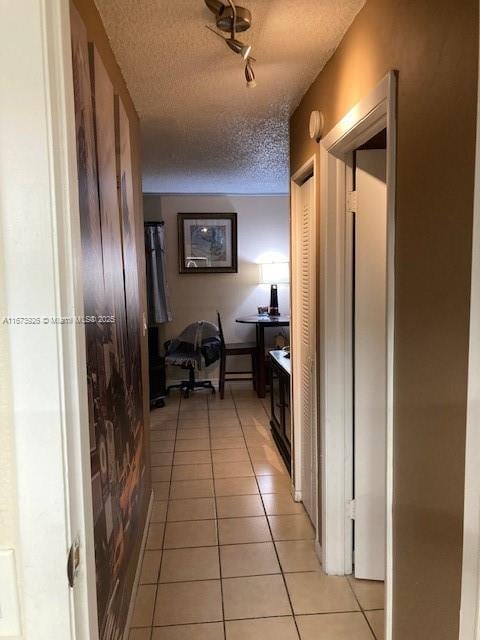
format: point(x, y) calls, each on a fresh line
point(235, 349)
point(197, 344)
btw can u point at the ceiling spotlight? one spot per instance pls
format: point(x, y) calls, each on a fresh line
point(216, 6)
point(250, 75)
point(238, 47)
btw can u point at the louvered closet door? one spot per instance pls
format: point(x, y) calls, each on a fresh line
point(306, 342)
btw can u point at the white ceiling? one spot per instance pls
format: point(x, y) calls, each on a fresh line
point(203, 131)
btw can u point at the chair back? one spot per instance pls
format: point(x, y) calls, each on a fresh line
point(208, 330)
point(192, 334)
point(220, 330)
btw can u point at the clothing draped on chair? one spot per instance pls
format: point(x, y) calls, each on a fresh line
point(197, 344)
point(157, 287)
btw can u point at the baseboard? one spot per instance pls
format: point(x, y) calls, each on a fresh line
point(296, 495)
point(318, 549)
point(126, 633)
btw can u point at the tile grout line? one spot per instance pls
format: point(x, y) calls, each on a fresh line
point(303, 615)
point(216, 526)
point(268, 524)
point(361, 609)
point(249, 575)
point(164, 527)
point(234, 544)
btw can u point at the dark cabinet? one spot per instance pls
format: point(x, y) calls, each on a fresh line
point(281, 421)
point(156, 368)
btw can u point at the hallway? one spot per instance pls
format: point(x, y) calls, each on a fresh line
point(229, 554)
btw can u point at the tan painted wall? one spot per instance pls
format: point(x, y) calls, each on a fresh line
point(433, 45)
point(263, 230)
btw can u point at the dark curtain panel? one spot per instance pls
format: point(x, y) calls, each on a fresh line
point(157, 288)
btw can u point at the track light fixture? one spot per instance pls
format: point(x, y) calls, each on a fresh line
point(238, 47)
point(232, 19)
point(228, 14)
point(235, 45)
point(215, 6)
point(249, 74)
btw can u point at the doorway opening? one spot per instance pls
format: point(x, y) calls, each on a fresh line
point(356, 344)
point(367, 228)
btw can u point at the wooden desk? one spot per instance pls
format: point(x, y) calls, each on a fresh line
point(260, 323)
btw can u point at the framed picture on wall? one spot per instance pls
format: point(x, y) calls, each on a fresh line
point(207, 242)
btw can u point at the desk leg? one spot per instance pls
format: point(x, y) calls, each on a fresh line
point(260, 360)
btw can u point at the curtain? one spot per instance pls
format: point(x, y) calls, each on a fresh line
point(157, 287)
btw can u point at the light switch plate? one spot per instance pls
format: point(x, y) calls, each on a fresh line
point(9, 605)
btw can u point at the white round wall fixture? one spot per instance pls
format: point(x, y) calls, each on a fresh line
point(317, 122)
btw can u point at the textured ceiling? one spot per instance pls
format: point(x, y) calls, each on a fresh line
point(203, 131)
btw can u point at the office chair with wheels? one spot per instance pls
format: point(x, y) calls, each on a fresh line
point(197, 345)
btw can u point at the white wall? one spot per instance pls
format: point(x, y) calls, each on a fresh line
point(263, 234)
point(9, 534)
point(8, 510)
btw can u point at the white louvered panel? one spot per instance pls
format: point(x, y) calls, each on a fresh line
point(307, 438)
point(306, 335)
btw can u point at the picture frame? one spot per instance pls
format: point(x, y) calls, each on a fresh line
point(207, 242)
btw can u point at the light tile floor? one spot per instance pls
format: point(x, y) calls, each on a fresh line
point(229, 554)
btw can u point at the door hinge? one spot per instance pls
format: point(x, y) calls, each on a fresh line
point(351, 509)
point(73, 562)
point(352, 202)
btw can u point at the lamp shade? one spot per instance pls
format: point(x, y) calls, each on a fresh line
point(274, 272)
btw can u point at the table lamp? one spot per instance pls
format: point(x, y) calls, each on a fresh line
point(274, 273)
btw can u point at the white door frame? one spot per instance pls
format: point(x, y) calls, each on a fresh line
point(40, 237)
point(306, 170)
point(470, 598)
point(375, 112)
